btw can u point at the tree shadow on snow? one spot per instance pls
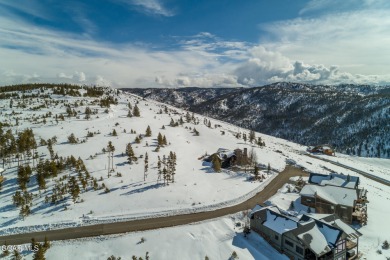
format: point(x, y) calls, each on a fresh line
point(7, 208)
point(9, 222)
point(143, 189)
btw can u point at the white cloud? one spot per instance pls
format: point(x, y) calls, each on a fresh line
point(150, 7)
point(342, 6)
point(356, 41)
point(55, 56)
point(267, 66)
point(203, 80)
point(33, 8)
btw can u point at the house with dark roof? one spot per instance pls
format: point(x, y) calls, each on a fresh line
point(336, 194)
point(334, 179)
point(324, 149)
point(230, 158)
point(311, 236)
point(330, 200)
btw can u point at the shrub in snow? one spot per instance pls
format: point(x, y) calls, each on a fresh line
point(385, 245)
point(234, 255)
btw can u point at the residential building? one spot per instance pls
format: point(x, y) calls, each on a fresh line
point(311, 236)
point(336, 194)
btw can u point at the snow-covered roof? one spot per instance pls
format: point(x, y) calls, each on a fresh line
point(222, 152)
point(314, 239)
point(279, 223)
point(333, 194)
point(256, 208)
point(315, 231)
point(273, 219)
point(318, 236)
point(336, 222)
point(334, 179)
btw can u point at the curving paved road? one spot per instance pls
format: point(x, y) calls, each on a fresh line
point(153, 223)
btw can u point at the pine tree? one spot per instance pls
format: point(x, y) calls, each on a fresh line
point(46, 243)
point(172, 123)
point(24, 211)
point(72, 139)
point(16, 255)
point(173, 165)
point(188, 117)
point(196, 132)
point(269, 168)
point(164, 141)
point(40, 253)
point(110, 149)
point(33, 243)
point(88, 113)
point(146, 166)
point(160, 139)
point(74, 188)
point(244, 137)
point(136, 111)
point(148, 132)
point(259, 141)
point(256, 172)
point(165, 174)
point(114, 133)
point(159, 169)
point(385, 245)
point(252, 136)
point(216, 163)
point(5, 251)
point(129, 153)
point(41, 181)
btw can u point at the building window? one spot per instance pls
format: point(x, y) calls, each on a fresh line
point(289, 243)
point(276, 237)
point(299, 250)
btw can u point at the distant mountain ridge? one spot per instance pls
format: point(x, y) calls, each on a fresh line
point(355, 119)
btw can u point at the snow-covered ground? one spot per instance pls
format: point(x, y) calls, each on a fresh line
point(217, 239)
point(375, 166)
point(196, 187)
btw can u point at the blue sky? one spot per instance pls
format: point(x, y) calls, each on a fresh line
point(181, 43)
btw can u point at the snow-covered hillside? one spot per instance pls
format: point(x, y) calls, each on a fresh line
point(196, 185)
point(353, 118)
